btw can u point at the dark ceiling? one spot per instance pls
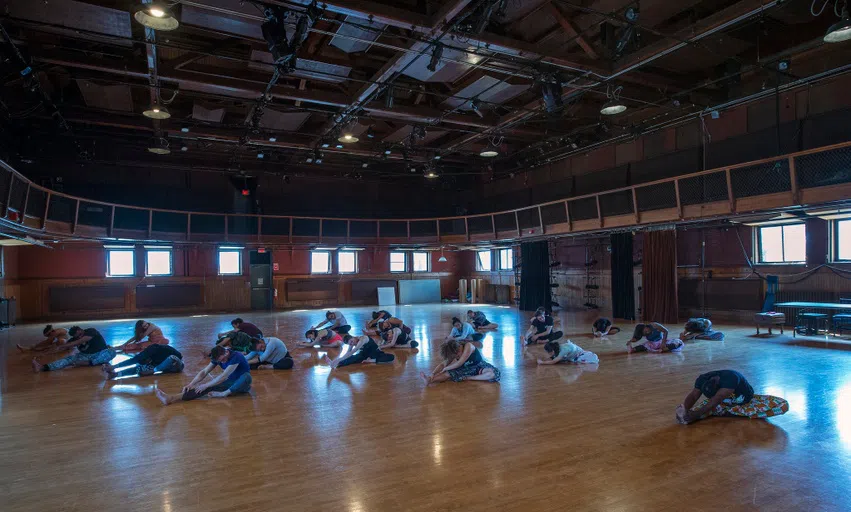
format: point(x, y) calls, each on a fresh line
point(79, 74)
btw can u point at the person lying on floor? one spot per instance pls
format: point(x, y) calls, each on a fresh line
point(463, 331)
point(239, 341)
point(52, 336)
point(374, 325)
point(395, 337)
point(269, 353)
point(325, 338)
point(603, 327)
point(239, 325)
point(336, 322)
point(360, 349)
point(92, 350)
point(154, 359)
point(728, 393)
point(461, 361)
point(568, 352)
point(541, 330)
point(700, 329)
point(480, 321)
point(143, 330)
point(235, 378)
point(657, 339)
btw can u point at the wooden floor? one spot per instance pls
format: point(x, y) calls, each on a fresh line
point(370, 438)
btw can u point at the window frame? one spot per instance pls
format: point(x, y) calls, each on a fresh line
point(354, 256)
point(490, 261)
point(169, 250)
point(427, 261)
point(219, 252)
point(329, 269)
point(131, 250)
point(509, 250)
point(404, 262)
point(837, 240)
point(758, 245)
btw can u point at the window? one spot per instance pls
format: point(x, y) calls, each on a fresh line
point(421, 261)
point(506, 259)
point(158, 262)
point(483, 261)
point(783, 244)
point(120, 262)
point(320, 262)
point(398, 262)
point(230, 262)
point(347, 262)
point(843, 240)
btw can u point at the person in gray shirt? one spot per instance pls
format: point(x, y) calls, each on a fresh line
point(269, 353)
point(336, 322)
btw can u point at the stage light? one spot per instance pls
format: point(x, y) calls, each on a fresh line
point(613, 107)
point(489, 153)
point(273, 139)
point(431, 175)
point(436, 54)
point(551, 92)
point(364, 165)
point(185, 129)
point(157, 112)
point(370, 133)
point(339, 145)
point(437, 157)
point(184, 148)
point(388, 151)
point(325, 144)
point(840, 31)
point(159, 146)
point(156, 16)
point(388, 98)
point(348, 138)
point(442, 258)
point(261, 156)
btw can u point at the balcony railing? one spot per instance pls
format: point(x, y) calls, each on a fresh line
point(810, 177)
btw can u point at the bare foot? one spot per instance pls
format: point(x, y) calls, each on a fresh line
point(681, 412)
point(425, 378)
point(162, 396)
point(218, 394)
point(36, 365)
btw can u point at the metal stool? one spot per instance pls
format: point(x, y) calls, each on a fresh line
point(807, 323)
point(841, 321)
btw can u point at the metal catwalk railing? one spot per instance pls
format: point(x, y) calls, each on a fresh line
point(812, 177)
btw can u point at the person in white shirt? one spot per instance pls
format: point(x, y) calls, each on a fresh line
point(568, 352)
point(269, 353)
point(336, 322)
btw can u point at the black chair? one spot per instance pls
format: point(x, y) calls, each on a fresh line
point(808, 322)
point(842, 321)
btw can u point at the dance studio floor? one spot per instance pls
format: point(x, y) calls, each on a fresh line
point(369, 438)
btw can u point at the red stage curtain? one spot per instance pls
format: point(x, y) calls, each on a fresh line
point(659, 282)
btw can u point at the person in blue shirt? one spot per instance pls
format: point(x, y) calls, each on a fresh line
point(463, 331)
point(234, 379)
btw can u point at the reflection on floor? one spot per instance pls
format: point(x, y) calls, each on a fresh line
point(370, 438)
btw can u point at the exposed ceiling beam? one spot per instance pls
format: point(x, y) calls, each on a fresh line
point(571, 31)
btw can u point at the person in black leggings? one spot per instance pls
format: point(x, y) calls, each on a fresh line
point(154, 359)
point(361, 349)
point(542, 329)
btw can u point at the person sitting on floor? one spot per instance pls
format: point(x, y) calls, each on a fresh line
point(239, 325)
point(463, 331)
point(542, 329)
point(393, 323)
point(92, 350)
point(239, 341)
point(374, 325)
point(603, 327)
point(729, 394)
point(154, 359)
point(461, 361)
point(269, 353)
point(360, 349)
point(144, 330)
point(700, 329)
point(395, 337)
point(336, 322)
point(325, 338)
point(568, 352)
point(234, 379)
point(657, 339)
point(480, 321)
point(52, 336)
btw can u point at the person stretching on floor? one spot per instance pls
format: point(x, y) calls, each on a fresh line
point(542, 329)
point(336, 322)
point(92, 350)
point(144, 330)
point(395, 337)
point(727, 393)
point(361, 349)
point(461, 361)
point(568, 352)
point(374, 325)
point(154, 359)
point(480, 321)
point(53, 336)
point(603, 327)
point(234, 379)
point(269, 353)
point(700, 329)
point(657, 339)
point(239, 325)
point(237, 340)
point(463, 331)
point(325, 338)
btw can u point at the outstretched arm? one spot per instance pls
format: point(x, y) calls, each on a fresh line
point(458, 363)
point(716, 400)
point(219, 378)
point(661, 328)
point(555, 360)
point(691, 398)
point(320, 324)
point(199, 377)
